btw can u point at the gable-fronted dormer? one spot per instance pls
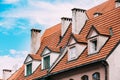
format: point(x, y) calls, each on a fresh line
point(31, 63)
point(75, 48)
point(95, 41)
point(48, 58)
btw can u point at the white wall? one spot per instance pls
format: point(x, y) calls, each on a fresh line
point(114, 64)
point(101, 40)
point(53, 57)
point(79, 50)
point(35, 65)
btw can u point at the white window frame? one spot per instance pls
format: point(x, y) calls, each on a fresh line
point(43, 60)
point(26, 68)
point(91, 46)
point(72, 57)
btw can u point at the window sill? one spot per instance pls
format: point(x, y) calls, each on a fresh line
point(28, 75)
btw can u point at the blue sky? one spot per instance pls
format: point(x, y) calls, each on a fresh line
point(17, 17)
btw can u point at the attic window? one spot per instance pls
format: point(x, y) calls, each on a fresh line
point(93, 45)
point(97, 14)
point(72, 53)
point(46, 62)
point(117, 3)
point(29, 69)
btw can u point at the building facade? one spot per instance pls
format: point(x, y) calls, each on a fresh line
point(84, 47)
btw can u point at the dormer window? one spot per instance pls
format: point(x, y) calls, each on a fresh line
point(95, 41)
point(29, 69)
point(31, 62)
point(72, 53)
point(46, 62)
point(93, 45)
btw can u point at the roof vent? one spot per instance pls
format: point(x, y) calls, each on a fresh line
point(117, 3)
point(97, 14)
point(111, 31)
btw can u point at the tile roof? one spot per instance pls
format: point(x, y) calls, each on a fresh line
point(102, 24)
point(104, 7)
point(51, 39)
point(35, 56)
point(15, 75)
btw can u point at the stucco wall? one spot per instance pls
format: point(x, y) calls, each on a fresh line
point(53, 57)
point(114, 64)
point(76, 74)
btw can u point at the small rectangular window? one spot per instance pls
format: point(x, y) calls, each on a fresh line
point(72, 53)
point(29, 69)
point(93, 46)
point(46, 62)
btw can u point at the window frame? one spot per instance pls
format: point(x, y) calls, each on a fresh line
point(28, 69)
point(93, 48)
point(70, 57)
point(84, 77)
point(98, 76)
point(44, 62)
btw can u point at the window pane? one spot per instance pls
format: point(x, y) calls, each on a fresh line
point(46, 62)
point(85, 77)
point(29, 69)
point(96, 76)
point(93, 46)
point(73, 53)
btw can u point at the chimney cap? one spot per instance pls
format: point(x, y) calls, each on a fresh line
point(36, 30)
point(78, 9)
point(7, 70)
point(65, 18)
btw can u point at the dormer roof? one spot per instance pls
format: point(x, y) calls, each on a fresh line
point(102, 24)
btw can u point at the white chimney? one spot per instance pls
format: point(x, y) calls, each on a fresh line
point(117, 3)
point(65, 24)
point(79, 18)
point(6, 74)
point(35, 40)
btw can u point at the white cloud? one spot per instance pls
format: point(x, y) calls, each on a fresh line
point(10, 1)
point(48, 14)
point(12, 51)
point(12, 62)
point(8, 62)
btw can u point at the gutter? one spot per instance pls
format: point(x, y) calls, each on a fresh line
point(96, 61)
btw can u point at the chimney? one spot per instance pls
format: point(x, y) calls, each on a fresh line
point(117, 3)
point(65, 24)
point(6, 74)
point(35, 40)
point(79, 18)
